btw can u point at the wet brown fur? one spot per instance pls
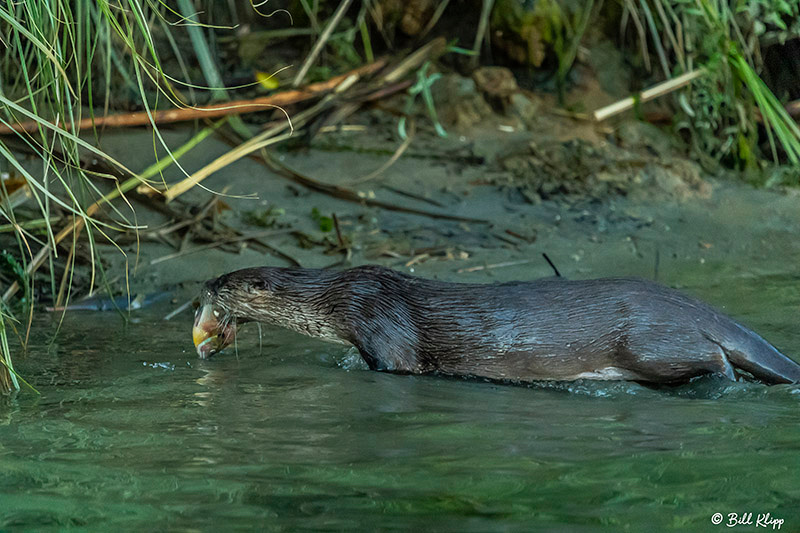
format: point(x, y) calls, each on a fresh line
point(519, 331)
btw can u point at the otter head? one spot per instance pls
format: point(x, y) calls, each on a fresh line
point(281, 296)
point(214, 320)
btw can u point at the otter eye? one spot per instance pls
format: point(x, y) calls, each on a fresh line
point(259, 285)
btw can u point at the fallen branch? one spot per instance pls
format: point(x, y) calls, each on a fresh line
point(219, 242)
point(495, 265)
point(271, 249)
point(200, 227)
point(217, 110)
point(338, 191)
point(391, 161)
point(645, 96)
point(180, 309)
point(259, 141)
point(221, 162)
point(349, 195)
point(412, 195)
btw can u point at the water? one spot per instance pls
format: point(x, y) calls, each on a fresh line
point(133, 433)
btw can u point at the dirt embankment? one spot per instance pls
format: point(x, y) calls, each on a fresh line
point(599, 200)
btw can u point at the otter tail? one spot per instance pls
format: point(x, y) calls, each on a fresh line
point(755, 355)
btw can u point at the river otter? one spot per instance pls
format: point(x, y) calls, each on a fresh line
point(605, 329)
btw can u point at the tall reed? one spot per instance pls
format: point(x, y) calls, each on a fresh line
point(62, 60)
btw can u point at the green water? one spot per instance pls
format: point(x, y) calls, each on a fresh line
point(133, 433)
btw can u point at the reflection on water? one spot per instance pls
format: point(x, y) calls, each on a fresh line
point(133, 432)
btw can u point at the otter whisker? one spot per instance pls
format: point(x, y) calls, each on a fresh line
point(225, 322)
point(235, 340)
point(260, 343)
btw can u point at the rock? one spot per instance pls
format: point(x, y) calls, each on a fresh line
point(497, 84)
point(458, 103)
point(524, 107)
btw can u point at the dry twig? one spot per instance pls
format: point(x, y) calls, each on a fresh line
point(240, 107)
point(645, 96)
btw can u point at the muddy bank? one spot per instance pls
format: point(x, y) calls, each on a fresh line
point(618, 202)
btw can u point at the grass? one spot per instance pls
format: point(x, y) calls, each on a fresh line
point(723, 112)
point(61, 60)
point(730, 116)
point(52, 56)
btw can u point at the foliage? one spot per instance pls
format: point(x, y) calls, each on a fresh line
point(722, 111)
point(325, 223)
point(58, 60)
point(729, 115)
point(557, 25)
point(422, 88)
point(265, 218)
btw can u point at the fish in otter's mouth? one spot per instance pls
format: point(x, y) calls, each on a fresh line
point(210, 333)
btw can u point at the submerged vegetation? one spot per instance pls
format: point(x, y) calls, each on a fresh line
point(66, 65)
